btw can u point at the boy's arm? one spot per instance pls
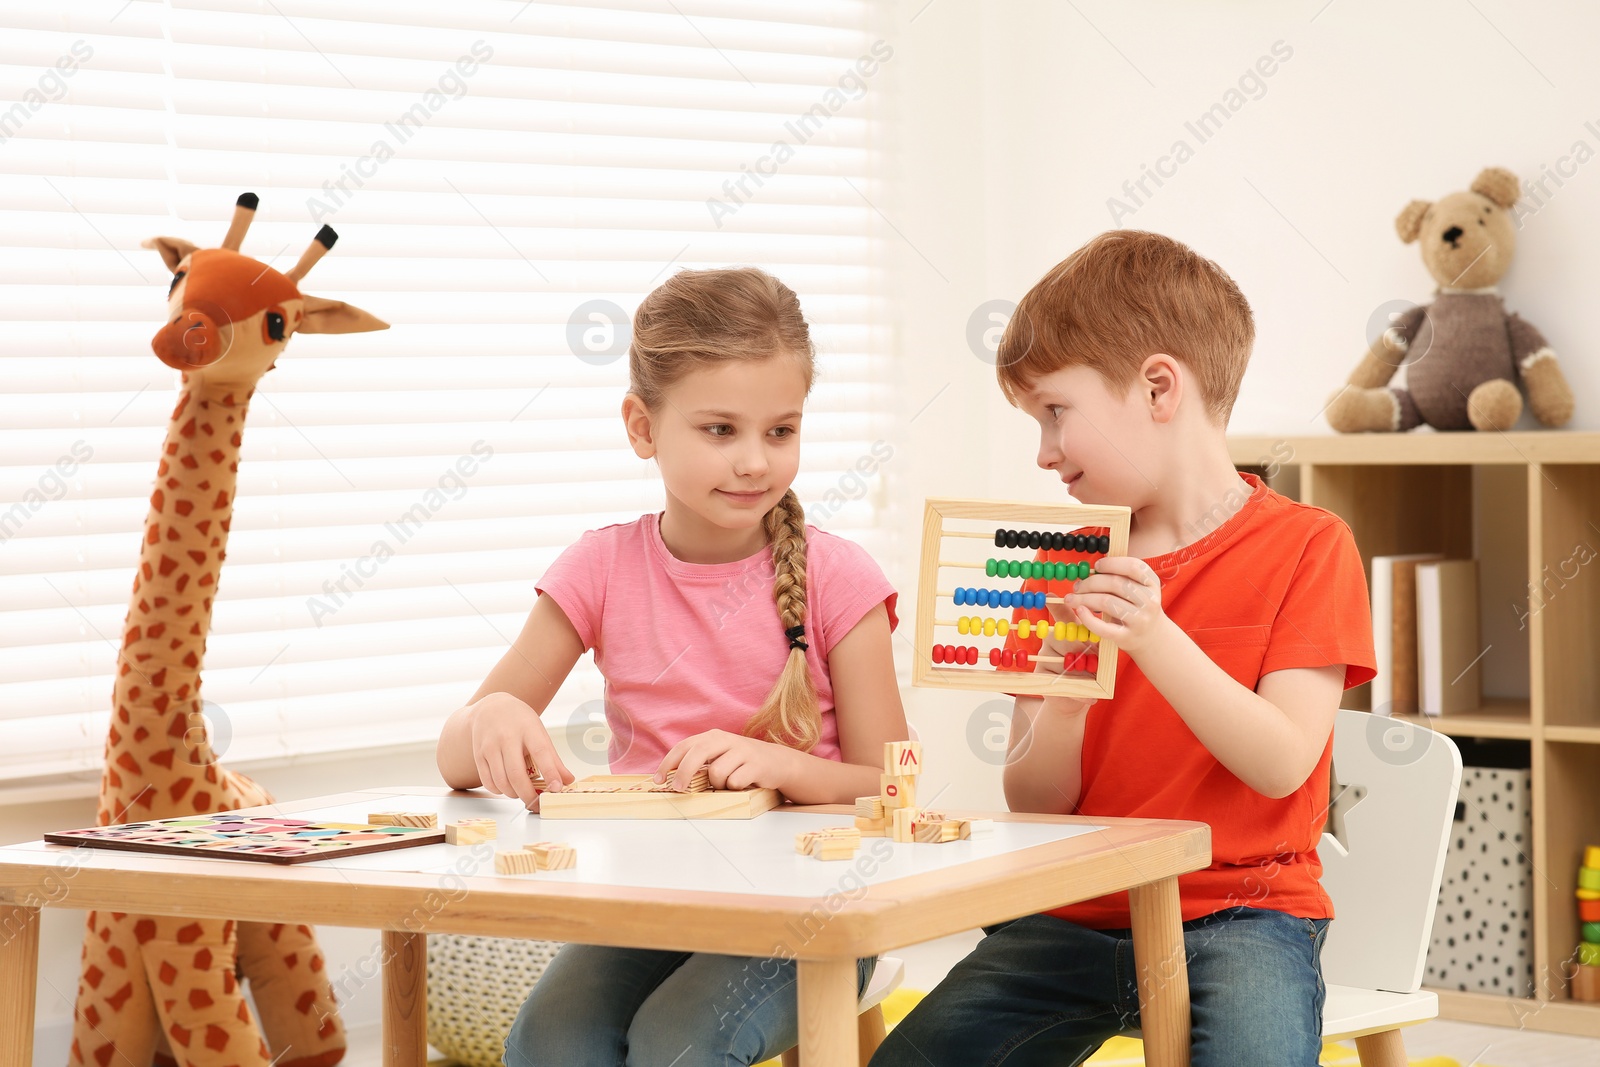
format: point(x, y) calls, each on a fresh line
point(1271, 739)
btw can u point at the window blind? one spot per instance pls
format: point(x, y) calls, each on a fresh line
point(508, 180)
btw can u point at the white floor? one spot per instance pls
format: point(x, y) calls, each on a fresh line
point(1468, 1044)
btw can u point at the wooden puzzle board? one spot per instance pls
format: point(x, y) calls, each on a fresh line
point(956, 536)
point(635, 796)
point(263, 838)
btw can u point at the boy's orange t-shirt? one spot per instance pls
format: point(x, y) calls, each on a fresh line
point(1278, 585)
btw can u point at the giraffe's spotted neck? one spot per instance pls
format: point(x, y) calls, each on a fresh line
point(156, 698)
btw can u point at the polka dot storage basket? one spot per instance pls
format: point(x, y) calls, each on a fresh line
point(476, 986)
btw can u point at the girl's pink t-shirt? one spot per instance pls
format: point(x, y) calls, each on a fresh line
point(689, 647)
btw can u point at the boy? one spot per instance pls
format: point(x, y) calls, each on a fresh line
point(1240, 615)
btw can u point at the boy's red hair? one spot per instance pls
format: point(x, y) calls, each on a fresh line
point(1122, 297)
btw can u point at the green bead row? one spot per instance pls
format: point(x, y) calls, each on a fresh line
point(1033, 568)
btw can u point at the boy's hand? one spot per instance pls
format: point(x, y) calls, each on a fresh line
point(1127, 594)
point(733, 760)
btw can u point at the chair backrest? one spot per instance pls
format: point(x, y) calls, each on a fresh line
point(1384, 857)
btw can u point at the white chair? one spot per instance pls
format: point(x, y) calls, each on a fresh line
point(1393, 803)
point(886, 978)
point(1395, 787)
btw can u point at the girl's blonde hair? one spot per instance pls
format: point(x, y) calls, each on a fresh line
point(698, 318)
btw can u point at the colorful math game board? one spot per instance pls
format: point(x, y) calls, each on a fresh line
point(265, 838)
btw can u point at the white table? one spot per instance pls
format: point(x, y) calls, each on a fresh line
point(727, 886)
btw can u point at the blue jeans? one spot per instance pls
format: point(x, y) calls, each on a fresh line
point(1041, 990)
point(625, 1007)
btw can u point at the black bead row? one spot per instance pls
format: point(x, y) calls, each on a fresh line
point(1058, 542)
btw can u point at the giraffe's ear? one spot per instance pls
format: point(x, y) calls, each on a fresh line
point(172, 249)
point(335, 316)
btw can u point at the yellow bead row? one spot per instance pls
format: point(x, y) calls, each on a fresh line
point(989, 626)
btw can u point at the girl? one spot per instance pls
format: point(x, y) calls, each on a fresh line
point(731, 636)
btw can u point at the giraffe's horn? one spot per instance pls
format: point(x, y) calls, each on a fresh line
point(244, 211)
point(319, 248)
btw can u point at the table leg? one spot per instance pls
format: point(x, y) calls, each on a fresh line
point(405, 999)
point(19, 974)
point(1163, 967)
point(828, 1013)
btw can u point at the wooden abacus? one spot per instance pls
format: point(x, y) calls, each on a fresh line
point(1020, 532)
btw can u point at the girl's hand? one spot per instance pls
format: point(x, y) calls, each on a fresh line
point(508, 737)
point(733, 760)
point(1127, 594)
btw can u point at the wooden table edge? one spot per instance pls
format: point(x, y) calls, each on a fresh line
point(878, 919)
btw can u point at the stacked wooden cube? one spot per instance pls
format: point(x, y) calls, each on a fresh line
point(894, 812)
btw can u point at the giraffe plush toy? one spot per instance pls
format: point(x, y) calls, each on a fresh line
point(166, 990)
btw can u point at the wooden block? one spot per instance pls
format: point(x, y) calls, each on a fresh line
point(835, 849)
point(517, 861)
point(837, 843)
point(1586, 984)
point(903, 820)
point(470, 832)
point(869, 807)
point(874, 827)
point(898, 791)
point(977, 828)
point(928, 827)
point(425, 819)
point(902, 758)
point(936, 831)
point(635, 796)
point(550, 856)
point(700, 783)
point(805, 841)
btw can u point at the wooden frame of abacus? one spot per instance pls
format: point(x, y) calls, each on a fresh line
point(1002, 514)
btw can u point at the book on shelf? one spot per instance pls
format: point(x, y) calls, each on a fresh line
point(1394, 632)
point(1448, 651)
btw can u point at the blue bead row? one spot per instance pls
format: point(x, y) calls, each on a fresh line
point(999, 598)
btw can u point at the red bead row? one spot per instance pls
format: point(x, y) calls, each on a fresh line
point(1006, 657)
point(1086, 660)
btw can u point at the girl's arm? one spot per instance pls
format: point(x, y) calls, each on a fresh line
point(491, 741)
point(867, 711)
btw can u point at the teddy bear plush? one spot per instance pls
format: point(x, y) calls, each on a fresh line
point(1464, 353)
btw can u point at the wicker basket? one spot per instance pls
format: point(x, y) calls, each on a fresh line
point(476, 986)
